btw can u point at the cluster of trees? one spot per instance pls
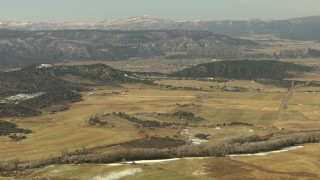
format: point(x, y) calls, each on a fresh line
point(185, 88)
point(187, 105)
point(202, 135)
point(54, 90)
point(16, 137)
point(7, 128)
point(243, 69)
point(155, 142)
point(183, 115)
point(17, 110)
point(238, 145)
point(144, 123)
point(229, 124)
point(31, 80)
point(97, 120)
point(234, 88)
point(243, 139)
point(188, 116)
point(279, 83)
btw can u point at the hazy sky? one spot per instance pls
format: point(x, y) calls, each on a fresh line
point(99, 10)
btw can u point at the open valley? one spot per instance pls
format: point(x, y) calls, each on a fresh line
point(195, 90)
point(193, 111)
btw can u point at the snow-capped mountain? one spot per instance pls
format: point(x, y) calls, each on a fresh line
point(144, 22)
point(134, 23)
point(137, 19)
point(44, 26)
point(306, 28)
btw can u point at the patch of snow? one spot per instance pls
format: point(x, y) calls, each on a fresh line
point(269, 152)
point(194, 140)
point(119, 175)
point(191, 158)
point(115, 164)
point(143, 162)
point(42, 169)
point(104, 50)
point(20, 97)
point(58, 170)
point(6, 42)
point(145, 19)
point(138, 18)
point(155, 161)
point(44, 66)
point(20, 23)
point(200, 172)
point(132, 77)
point(197, 141)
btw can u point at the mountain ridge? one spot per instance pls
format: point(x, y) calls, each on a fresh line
point(26, 47)
point(301, 28)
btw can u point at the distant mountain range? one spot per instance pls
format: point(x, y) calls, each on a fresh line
point(20, 48)
point(144, 37)
point(305, 28)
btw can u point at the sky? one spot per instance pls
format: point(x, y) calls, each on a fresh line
point(91, 11)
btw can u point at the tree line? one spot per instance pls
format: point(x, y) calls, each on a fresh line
point(238, 145)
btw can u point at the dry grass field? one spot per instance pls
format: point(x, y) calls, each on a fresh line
point(274, 44)
point(303, 110)
point(211, 85)
point(54, 132)
point(300, 161)
point(272, 166)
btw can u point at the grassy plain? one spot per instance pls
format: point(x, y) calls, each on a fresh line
point(55, 132)
point(70, 130)
point(273, 166)
point(207, 85)
point(275, 44)
point(303, 110)
point(299, 161)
